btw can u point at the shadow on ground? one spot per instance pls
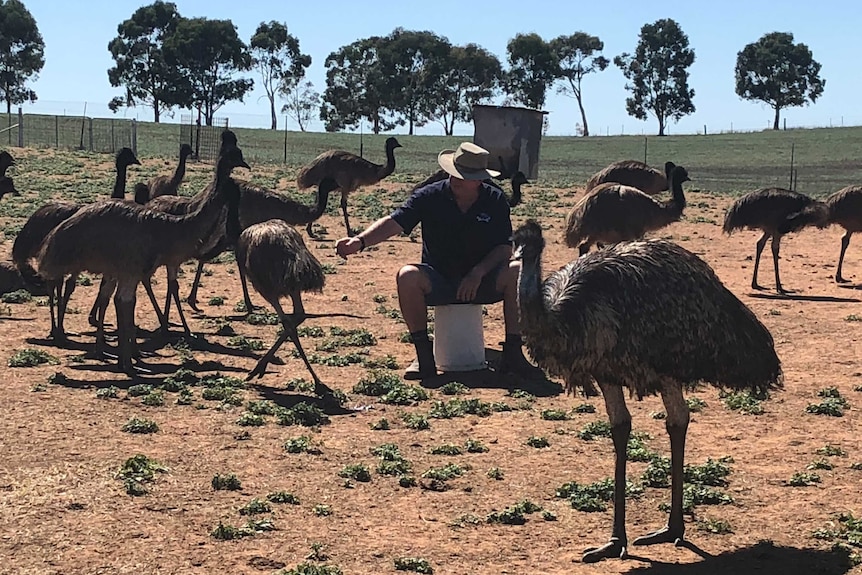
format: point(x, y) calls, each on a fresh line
point(761, 558)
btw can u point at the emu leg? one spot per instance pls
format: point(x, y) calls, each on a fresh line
point(776, 246)
point(192, 300)
point(106, 289)
point(68, 288)
point(621, 426)
point(53, 297)
point(310, 230)
point(249, 307)
point(174, 290)
point(163, 319)
point(344, 211)
point(676, 425)
point(845, 241)
point(125, 307)
point(93, 316)
point(761, 243)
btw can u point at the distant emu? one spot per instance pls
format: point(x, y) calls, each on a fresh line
point(349, 170)
point(612, 213)
point(845, 209)
point(774, 211)
point(635, 174)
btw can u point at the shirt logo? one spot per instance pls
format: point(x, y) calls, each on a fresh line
point(483, 218)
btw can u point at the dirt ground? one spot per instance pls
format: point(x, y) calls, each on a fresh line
point(63, 511)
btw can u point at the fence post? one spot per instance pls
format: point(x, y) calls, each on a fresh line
point(56, 132)
point(134, 141)
point(285, 140)
point(20, 127)
point(90, 133)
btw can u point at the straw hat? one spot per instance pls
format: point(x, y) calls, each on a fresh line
point(468, 162)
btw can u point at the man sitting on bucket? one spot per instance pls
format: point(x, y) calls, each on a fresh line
point(466, 246)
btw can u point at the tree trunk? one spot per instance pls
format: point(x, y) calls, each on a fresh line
point(156, 106)
point(272, 112)
point(9, 106)
point(586, 129)
point(661, 126)
point(777, 113)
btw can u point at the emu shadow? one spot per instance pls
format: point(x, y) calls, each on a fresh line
point(763, 557)
point(491, 379)
point(287, 400)
point(814, 298)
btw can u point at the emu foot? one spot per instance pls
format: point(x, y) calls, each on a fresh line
point(193, 303)
point(666, 534)
point(613, 549)
point(841, 280)
point(58, 336)
point(755, 285)
point(259, 370)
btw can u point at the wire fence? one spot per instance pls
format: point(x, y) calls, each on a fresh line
point(105, 135)
point(204, 140)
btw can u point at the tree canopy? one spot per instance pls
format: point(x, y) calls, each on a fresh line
point(469, 75)
point(22, 53)
point(778, 72)
point(207, 54)
point(140, 64)
point(533, 67)
point(578, 55)
point(276, 55)
point(657, 74)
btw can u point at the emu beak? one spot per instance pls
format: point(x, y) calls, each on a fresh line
point(242, 164)
point(517, 254)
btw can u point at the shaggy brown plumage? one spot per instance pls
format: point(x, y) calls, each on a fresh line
point(518, 179)
point(635, 174)
point(166, 185)
point(349, 170)
point(774, 211)
point(276, 260)
point(46, 218)
point(256, 205)
point(649, 316)
point(11, 280)
point(845, 209)
point(614, 212)
point(150, 239)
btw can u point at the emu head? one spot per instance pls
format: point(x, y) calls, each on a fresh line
point(126, 157)
point(186, 150)
point(228, 138)
point(528, 241)
point(519, 178)
point(392, 143)
point(678, 175)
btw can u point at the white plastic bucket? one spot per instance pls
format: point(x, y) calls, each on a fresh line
point(459, 340)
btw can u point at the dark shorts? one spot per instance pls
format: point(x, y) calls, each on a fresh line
point(444, 291)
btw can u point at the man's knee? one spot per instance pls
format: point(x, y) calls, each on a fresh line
point(410, 277)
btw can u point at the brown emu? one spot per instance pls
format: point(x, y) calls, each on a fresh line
point(349, 170)
point(649, 316)
point(518, 179)
point(845, 209)
point(274, 257)
point(774, 211)
point(635, 174)
point(45, 219)
point(166, 185)
point(615, 212)
point(258, 205)
point(150, 239)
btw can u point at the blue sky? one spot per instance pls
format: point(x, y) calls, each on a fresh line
point(76, 36)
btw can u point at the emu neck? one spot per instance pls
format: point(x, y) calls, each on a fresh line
point(389, 166)
point(180, 172)
point(320, 201)
point(531, 303)
point(120, 183)
point(677, 203)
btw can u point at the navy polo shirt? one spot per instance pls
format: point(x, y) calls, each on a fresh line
point(453, 242)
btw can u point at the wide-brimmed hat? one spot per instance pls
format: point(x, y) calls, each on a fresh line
point(468, 162)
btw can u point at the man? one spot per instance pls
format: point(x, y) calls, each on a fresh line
point(466, 246)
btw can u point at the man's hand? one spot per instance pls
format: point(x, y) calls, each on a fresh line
point(469, 286)
point(347, 246)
